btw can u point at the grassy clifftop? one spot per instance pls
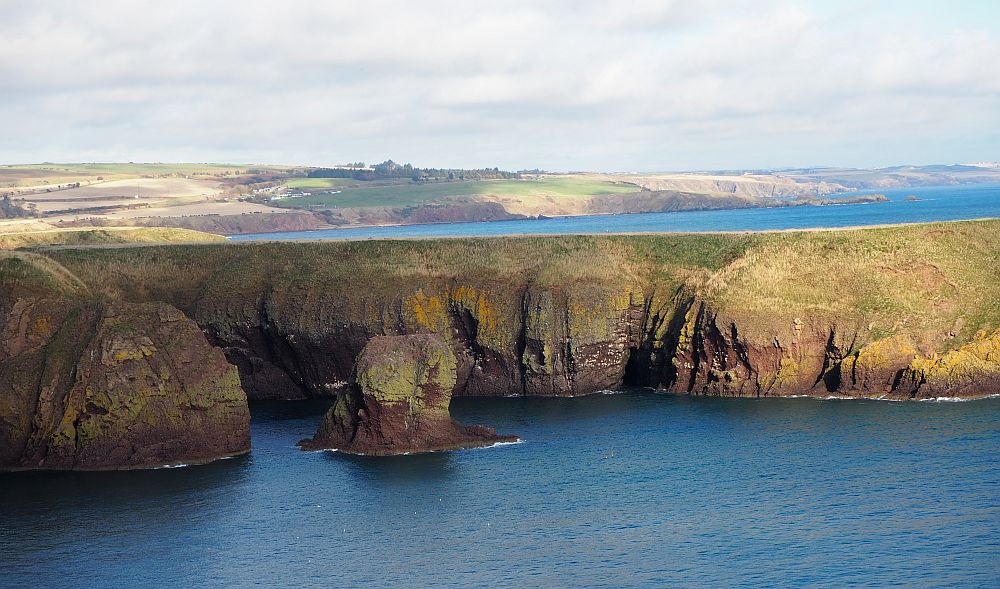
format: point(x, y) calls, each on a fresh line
point(103, 236)
point(751, 313)
point(940, 276)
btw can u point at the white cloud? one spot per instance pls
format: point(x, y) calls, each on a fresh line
point(561, 84)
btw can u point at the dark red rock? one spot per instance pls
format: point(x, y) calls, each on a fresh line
point(400, 403)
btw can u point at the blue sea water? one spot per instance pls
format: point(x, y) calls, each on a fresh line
point(939, 203)
point(626, 490)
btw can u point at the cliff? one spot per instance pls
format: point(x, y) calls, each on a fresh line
point(90, 385)
point(661, 201)
point(400, 402)
point(752, 186)
point(857, 312)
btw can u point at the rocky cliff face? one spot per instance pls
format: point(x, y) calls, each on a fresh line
point(540, 342)
point(970, 370)
point(508, 340)
point(873, 313)
point(400, 403)
point(91, 386)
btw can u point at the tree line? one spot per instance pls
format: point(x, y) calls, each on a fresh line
point(391, 170)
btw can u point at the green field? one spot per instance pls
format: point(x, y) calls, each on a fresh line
point(14, 176)
point(320, 182)
point(411, 193)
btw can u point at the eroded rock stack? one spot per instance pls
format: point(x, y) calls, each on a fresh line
point(400, 402)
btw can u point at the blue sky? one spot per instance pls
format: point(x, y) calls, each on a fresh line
point(565, 85)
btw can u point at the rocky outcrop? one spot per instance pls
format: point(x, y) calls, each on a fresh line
point(973, 370)
point(400, 404)
point(93, 386)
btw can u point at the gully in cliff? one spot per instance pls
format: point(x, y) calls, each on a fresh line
point(399, 404)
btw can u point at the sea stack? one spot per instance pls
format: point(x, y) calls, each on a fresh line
point(399, 402)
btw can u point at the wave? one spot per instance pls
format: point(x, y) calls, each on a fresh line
point(958, 399)
point(497, 444)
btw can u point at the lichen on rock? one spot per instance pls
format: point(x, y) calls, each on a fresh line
point(971, 370)
point(399, 404)
point(86, 385)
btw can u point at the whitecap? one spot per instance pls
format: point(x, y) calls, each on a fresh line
point(496, 444)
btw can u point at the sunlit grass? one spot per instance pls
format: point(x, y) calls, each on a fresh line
point(932, 280)
point(411, 193)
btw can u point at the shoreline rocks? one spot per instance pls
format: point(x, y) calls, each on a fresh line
point(400, 403)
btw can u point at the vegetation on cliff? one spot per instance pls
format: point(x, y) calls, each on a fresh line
point(400, 403)
point(103, 236)
point(116, 343)
point(765, 313)
point(90, 383)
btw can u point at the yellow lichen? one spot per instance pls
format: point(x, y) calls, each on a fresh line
point(428, 311)
point(788, 371)
point(982, 354)
point(885, 353)
point(41, 326)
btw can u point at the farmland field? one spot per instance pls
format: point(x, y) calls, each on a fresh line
point(36, 176)
point(316, 183)
point(397, 195)
point(45, 175)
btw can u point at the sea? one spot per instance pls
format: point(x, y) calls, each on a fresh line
point(626, 489)
point(937, 203)
point(632, 489)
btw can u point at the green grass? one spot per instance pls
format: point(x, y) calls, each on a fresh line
point(63, 173)
point(25, 271)
point(938, 283)
point(412, 193)
point(927, 280)
point(104, 236)
point(320, 182)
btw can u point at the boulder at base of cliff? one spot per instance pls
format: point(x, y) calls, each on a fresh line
point(400, 402)
point(89, 386)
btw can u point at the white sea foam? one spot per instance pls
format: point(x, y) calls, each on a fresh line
point(496, 444)
point(890, 400)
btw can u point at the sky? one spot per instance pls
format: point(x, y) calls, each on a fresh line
point(561, 85)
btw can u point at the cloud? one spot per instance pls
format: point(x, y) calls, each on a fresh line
point(560, 84)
